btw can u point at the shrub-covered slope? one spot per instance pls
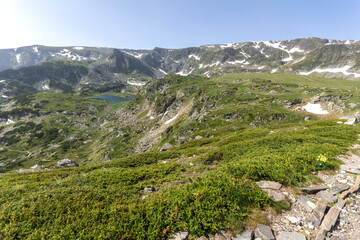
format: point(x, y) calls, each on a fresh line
point(226, 133)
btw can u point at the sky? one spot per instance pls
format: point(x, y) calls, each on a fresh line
point(145, 24)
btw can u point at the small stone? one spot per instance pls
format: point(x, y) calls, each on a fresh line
point(149, 189)
point(338, 188)
point(343, 181)
point(269, 185)
point(247, 235)
point(182, 235)
point(264, 232)
point(314, 188)
point(312, 227)
point(293, 220)
point(36, 167)
point(327, 196)
point(291, 236)
point(198, 137)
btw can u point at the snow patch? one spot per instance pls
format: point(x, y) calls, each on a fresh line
point(162, 71)
point(315, 108)
point(343, 70)
point(36, 49)
point(274, 70)
point(78, 48)
point(1, 81)
point(296, 49)
point(70, 55)
point(236, 62)
point(18, 57)
point(135, 83)
point(184, 72)
point(135, 54)
point(279, 46)
point(45, 87)
point(172, 119)
point(227, 45)
point(197, 58)
point(9, 121)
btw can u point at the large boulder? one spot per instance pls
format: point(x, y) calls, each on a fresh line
point(165, 147)
point(66, 163)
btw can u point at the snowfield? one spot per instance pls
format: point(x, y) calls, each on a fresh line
point(343, 70)
point(315, 108)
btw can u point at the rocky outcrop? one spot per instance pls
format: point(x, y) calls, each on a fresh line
point(66, 163)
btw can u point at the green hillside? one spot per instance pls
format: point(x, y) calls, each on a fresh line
point(225, 133)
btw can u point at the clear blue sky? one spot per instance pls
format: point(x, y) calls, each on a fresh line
point(145, 24)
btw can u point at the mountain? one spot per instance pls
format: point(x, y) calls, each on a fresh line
point(101, 69)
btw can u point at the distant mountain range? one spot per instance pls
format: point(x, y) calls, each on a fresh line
point(66, 69)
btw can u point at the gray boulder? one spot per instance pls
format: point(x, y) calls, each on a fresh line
point(291, 236)
point(66, 163)
point(264, 232)
point(269, 185)
point(182, 235)
point(247, 235)
point(166, 147)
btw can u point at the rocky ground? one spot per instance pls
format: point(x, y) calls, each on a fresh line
point(327, 211)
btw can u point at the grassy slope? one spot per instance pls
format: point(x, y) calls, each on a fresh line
point(203, 185)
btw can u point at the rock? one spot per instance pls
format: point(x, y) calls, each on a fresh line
point(330, 220)
point(219, 236)
point(293, 220)
point(247, 235)
point(356, 186)
point(198, 137)
point(339, 188)
point(36, 167)
point(350, 169)
point(291, 236)
point(264, 232)
point(202, 238)
point(66, 163)
point(306, 203)
point(327, 196)
point(182, 235)
point(307, 119)
point(314, 188)
point(166, 147)
point(345, 194)
point(276, 196)
point(339, 122)
point(351, 121)
point(149, 189)
point(269, 185)
point(320, 210)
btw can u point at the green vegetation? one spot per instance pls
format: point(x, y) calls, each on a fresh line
point(229, 132)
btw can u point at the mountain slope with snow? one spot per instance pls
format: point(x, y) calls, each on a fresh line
point(320, 57)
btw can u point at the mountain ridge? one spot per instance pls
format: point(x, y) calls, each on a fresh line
point(109, 66)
